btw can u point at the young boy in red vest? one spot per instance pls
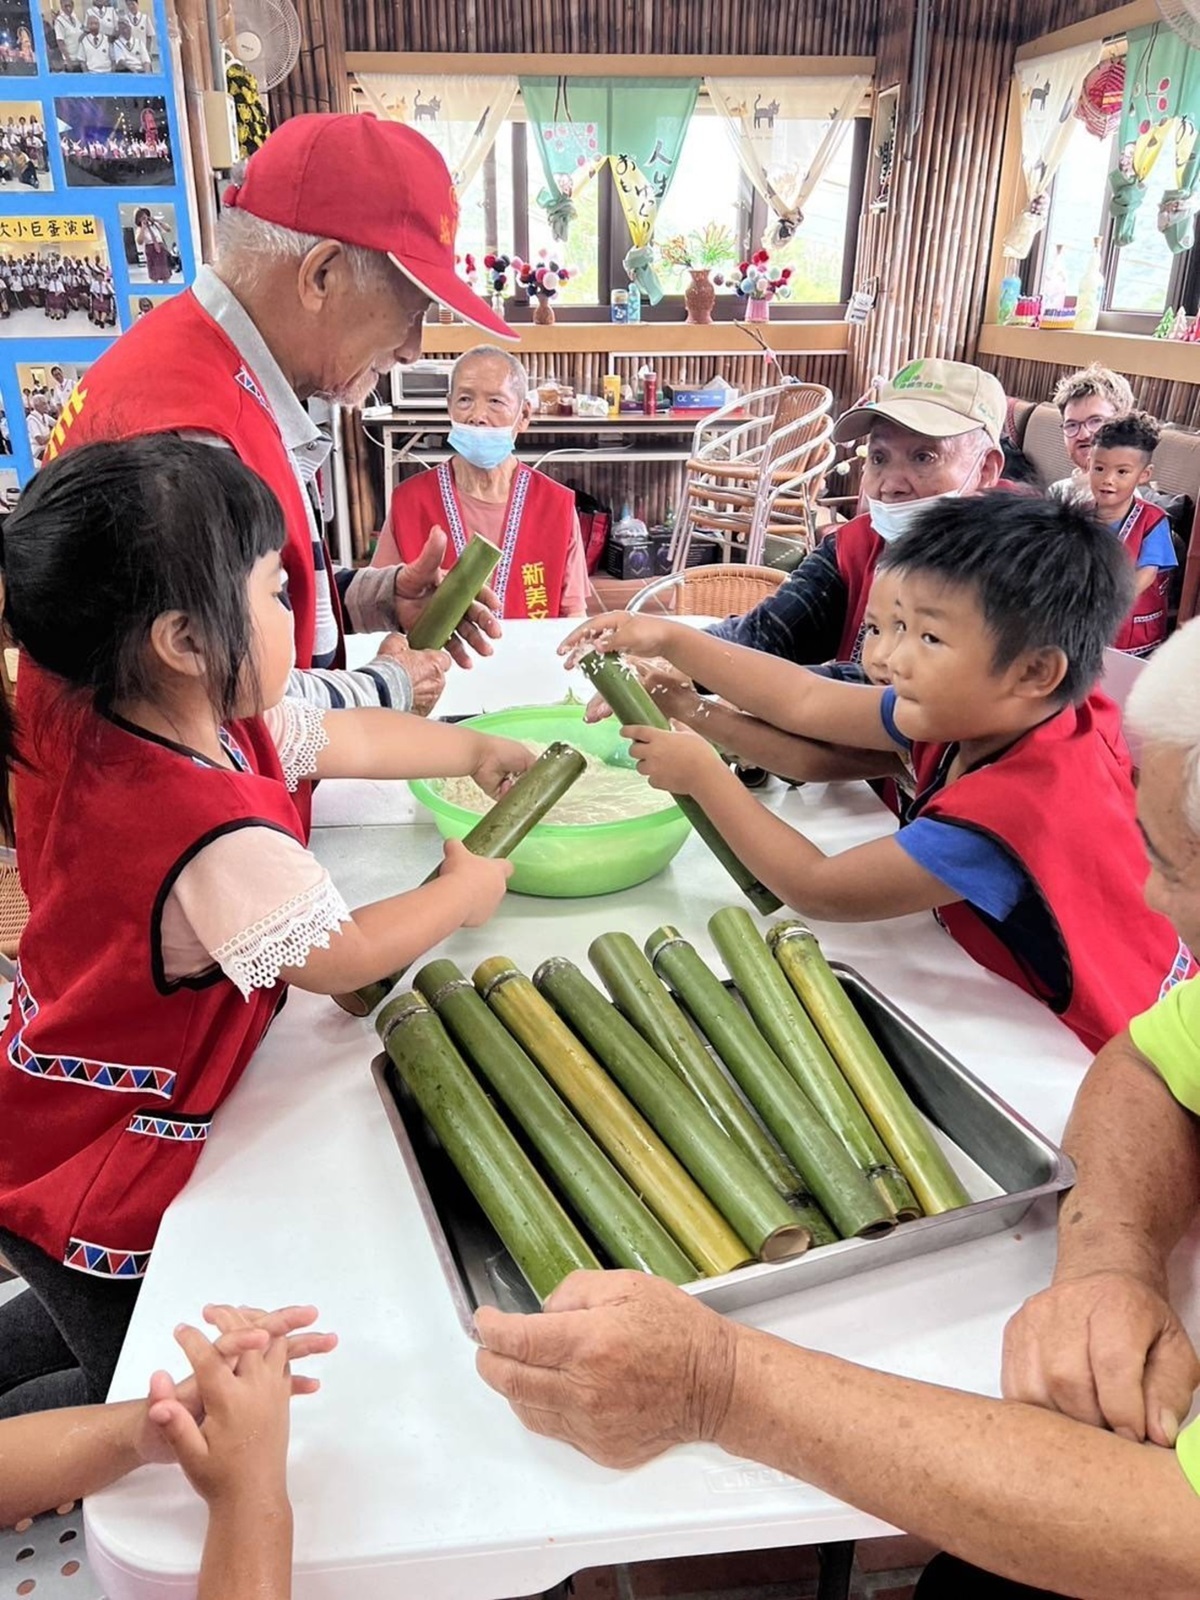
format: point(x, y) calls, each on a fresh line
point(1022, 837)
point(1119, 468)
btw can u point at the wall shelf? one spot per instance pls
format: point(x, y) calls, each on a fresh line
point(1133, 354)
point(649, 338)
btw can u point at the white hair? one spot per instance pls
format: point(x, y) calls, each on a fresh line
point(1164, 708)
point(245, 244)
point(517, 374)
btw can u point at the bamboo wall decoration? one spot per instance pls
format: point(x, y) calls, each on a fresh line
point(1035, 380)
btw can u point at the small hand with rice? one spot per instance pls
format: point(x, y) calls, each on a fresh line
point(674, 759)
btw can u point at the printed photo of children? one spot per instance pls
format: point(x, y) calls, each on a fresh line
point(24, 158)
point(104, 37)
point(17, 57)
point(141, 305)
point(45, 390)
point(55, 277)
point(150, 241)
point(5, 435)
point(10, 490)
point(115, 140)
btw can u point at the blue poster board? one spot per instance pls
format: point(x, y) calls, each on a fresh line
point(94, 222)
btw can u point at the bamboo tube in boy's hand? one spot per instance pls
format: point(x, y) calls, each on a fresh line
point(631, 1235)
point(496, 835)
point(790, 1032)
point(455, 595)
point(879, 1090)
point(613, 678)
point(833, 1176)
point(739, 1189)
point(636, 991)
point(538, 1234)
point(671, 1193)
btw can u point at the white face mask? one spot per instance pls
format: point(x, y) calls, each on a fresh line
point(891, 518)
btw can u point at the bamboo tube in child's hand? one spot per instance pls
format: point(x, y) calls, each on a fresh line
point(496, 835)
point(455, 595)
point(621, 688)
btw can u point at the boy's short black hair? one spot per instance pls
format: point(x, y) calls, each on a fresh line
point(1136, 430)
point(1046, 574)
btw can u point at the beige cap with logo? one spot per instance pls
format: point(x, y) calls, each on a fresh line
point(936, 398)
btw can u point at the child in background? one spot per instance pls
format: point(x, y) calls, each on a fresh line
point(164, 861)
point(226, 1426)
point(1022, 836)
point(1121, 454)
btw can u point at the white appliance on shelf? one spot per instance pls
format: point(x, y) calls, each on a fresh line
point(421, 383)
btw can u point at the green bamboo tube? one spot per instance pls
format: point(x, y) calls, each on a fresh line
point(810, 1217)
point(596, 1190)
point(631, 980)
point(536, 1231)
point(880, 1092)
point(455, 595)
point(832, 1175)
point(790, 1032)
point(620, 686)
point(631, 1143)
point(739, 1189)
point(496, 835)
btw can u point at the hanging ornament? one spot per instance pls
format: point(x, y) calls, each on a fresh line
point(1100, 99)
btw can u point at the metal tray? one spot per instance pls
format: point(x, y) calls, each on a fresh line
point(1004, 1163)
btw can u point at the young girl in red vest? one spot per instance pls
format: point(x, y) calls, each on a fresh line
point(1022, 836)
point(172, 897)
point(1119, 469)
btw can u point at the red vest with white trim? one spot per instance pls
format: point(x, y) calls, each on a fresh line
point(1145, 628)
point(1061, 801)
point(858, 548)
point(179, 372)
point(109, 1072)
point(538, 524)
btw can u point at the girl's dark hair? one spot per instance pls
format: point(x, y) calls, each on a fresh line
point(109, 537)
point(1045, 574)
point(142, 211)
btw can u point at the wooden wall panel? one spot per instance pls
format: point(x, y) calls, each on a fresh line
point(1036, 380)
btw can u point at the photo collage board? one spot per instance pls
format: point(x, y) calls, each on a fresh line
point(95, 229)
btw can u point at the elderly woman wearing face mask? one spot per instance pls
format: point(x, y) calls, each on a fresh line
point(486, 490)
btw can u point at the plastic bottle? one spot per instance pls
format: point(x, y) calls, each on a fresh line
point(634, 304)
point(1010, 293)
point(1091, 293)
point(631, 540)
point(1054, 281)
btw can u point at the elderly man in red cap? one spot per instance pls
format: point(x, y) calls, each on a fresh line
point(328, 254)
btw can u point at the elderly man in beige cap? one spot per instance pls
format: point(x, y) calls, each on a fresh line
point(933, 431)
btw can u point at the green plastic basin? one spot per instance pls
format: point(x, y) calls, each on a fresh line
point(577, 860)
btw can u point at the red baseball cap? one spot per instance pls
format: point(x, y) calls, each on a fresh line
point(379, 185)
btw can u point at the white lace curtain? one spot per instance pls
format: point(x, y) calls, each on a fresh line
point(1049, 88)
point(786, 131)
point(461, 115)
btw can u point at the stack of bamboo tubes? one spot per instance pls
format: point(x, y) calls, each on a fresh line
point(672, 1126)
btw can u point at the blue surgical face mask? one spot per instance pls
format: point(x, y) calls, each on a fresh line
point(484, 448)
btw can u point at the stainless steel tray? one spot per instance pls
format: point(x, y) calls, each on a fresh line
point(1004, 1163)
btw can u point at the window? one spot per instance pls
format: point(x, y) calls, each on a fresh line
point(1142, 278)
point(500, 212)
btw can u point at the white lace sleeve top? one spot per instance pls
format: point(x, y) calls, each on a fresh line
point(256, 901)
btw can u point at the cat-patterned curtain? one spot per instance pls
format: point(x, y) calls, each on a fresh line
point(462, 116)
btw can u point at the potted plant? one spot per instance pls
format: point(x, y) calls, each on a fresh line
point(702, 252)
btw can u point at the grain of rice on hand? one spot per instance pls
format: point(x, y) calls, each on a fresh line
point(602, 793)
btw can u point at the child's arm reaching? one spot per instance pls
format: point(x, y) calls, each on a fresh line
point(871, 881)
point(778, 692)
point(369, 742)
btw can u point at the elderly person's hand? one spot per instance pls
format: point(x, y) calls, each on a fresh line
point(416, 584)
point(426, 670)
point(619, 1364)
point(1105, 1349)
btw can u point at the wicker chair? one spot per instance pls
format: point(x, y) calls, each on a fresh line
point(757, 467)
point(709, 591)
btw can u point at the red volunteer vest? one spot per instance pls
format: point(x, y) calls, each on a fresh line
point(180, 373)
point(1061, 802)
point(858, 548)
point(538, 524)
point(1145, 628)
point(110, 1074)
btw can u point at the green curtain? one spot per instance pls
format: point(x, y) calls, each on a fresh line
point(637, 128)
point(1160, 115)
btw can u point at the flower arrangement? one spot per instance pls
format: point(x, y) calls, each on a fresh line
point(543, 277)
point(701, 250)
point(755, 281)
